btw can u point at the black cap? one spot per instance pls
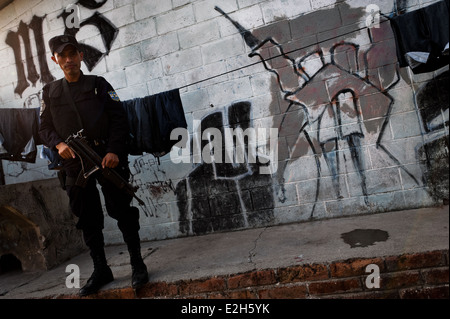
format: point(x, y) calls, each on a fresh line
point(58, 43)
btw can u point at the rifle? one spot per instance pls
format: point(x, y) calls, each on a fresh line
point(91, 162)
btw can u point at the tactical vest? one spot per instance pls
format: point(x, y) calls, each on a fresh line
point(95, 123)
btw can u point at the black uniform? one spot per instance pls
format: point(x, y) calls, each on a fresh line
point(105, 125)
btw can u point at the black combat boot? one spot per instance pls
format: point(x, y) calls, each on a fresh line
point(139, 276)
point(101, 276)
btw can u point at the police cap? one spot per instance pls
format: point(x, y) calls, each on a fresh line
point(58, 43)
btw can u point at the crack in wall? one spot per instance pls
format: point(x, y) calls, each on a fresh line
point(251, 253)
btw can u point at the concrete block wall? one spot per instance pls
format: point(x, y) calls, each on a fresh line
point(357, 134)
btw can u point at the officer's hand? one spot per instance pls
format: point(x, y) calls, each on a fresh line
point(111, 160)
point(65, 151)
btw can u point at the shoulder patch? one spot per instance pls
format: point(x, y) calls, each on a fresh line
point(42, 107)
point(114, 96)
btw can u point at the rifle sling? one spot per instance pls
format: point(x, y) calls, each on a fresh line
point(80, 180)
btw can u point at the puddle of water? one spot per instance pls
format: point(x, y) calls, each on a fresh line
point(364, 237)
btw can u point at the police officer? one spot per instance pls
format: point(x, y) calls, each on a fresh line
point(88, 102)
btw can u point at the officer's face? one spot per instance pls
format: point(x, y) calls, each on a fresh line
point(69, 60)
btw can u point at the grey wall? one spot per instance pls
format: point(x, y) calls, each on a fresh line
point(357, 134)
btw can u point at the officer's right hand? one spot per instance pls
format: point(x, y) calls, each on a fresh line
point(65, 151)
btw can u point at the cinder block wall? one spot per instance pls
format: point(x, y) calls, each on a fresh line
point(357, 134)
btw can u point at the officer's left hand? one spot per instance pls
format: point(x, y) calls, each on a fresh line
point(111, 160)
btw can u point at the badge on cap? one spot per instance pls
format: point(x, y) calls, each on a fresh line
point(114, 96)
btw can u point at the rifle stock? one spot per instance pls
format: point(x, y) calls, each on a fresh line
point(92, 163)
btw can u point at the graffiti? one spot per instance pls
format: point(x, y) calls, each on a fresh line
point(334, 103)
point(221, 196)
point(153, 185)
point(339, 85)
point(92, 4)
point(157, 188)
point(92, 56)
point(432, 101)
point(33, 101)
point(144, 164)
point(13, 40)
point(373, 19)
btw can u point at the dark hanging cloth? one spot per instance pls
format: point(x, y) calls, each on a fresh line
point(19, 134)
point(422, 37)
point(151, 119)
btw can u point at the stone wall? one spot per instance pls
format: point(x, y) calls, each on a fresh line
point(36, 225)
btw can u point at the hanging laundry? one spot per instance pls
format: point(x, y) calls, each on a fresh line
point(422, 37)
point(54, 161)
point(151, 120)
point(19, 134)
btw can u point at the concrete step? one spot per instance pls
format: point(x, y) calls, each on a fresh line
point(335, 258)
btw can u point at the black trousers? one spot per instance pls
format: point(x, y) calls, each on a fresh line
point(85, 203)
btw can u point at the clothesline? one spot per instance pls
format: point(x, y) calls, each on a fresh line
point(281, 55)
